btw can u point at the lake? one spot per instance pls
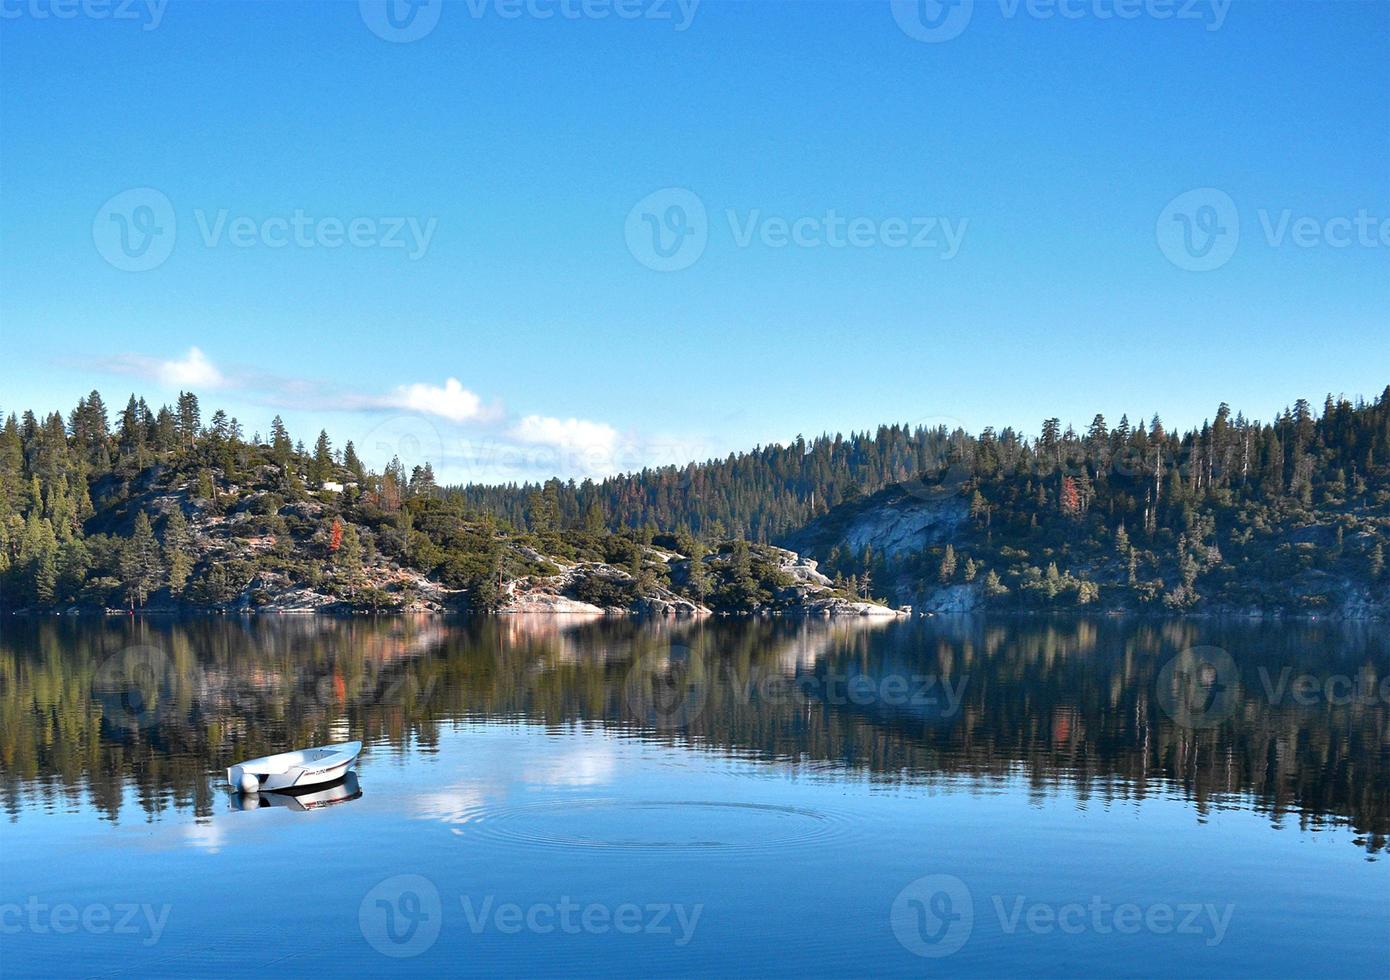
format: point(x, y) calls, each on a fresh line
point(552, 796)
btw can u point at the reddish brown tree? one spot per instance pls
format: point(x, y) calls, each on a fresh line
point(1071, 498)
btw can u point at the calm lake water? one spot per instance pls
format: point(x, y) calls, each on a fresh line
point(548, 796)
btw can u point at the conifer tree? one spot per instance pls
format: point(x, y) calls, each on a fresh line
point(178, 557)
point(141, 569)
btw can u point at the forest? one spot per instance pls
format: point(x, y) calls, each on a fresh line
point(166, 503)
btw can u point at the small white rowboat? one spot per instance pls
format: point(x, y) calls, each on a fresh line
point(306, 767)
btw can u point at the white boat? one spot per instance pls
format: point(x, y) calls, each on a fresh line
point(315, 798)
point(305, 767)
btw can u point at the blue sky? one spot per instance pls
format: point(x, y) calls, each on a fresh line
point(985, 227)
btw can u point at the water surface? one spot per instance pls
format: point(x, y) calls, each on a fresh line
point(550, 796)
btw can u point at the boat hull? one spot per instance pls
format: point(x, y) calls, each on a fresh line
point(295, 770)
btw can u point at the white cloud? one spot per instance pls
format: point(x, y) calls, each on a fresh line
point(579, 436)
point(453, 401)
point(193, 371)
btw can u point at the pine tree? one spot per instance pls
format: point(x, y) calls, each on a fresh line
point(697, 578)
point(189, 420)
point(321, 467)
point(178, 556)
point(46, 576)
point(141, 570)
point(352, 464)
point(281, 446)
point(947, 569)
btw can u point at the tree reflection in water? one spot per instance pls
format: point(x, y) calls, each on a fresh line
point(92, 708)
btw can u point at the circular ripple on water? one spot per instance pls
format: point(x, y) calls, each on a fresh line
point(654, 824)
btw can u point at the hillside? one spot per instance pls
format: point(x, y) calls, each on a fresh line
point(227, 525)
point(162, 511)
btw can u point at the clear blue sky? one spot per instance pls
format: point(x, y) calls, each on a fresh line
point(526, 142)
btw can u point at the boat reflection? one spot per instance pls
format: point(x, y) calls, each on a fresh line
point(344, 790)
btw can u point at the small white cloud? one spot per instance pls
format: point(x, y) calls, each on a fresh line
point(579, 436)
point(453, 401)
point(193, 371)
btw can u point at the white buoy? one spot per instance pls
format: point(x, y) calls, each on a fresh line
point(249, 783)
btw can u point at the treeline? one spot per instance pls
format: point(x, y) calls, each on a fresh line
point(1294, 513)
point(97, 513)
point(95, 510)
point(757, 495)
point(1143, 474)
point(164, 508)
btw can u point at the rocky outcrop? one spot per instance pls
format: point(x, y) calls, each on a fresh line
point(951, 600)
point(564, 592)
point(908, 522)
